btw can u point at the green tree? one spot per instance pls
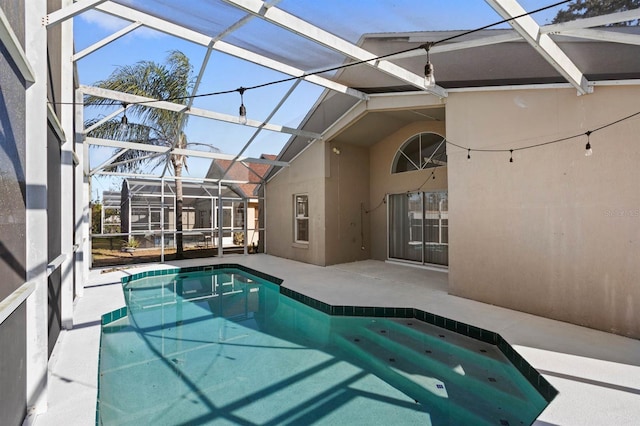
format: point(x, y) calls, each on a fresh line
point(590, 8)
point(96, 217)
point(169, 81)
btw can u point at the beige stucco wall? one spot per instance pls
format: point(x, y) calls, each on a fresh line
point(383, 182)
point(347, 195)
point(337, 185)
point(305, 175)
point(348, 221)
point(554, 233)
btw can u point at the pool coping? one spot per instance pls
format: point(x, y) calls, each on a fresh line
point(544, 388)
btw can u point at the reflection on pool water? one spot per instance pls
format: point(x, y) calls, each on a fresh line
point(225, 347)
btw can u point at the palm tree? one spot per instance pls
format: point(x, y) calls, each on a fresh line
point(589, 8)
point(170, 81)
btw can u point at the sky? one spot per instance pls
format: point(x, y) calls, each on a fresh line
point(347, 19)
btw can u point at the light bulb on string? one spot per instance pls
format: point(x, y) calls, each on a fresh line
point(511, 157)
point(429, 77)
point(469, 154)
point(124, 121)
point(588, 151)
point(242, 119)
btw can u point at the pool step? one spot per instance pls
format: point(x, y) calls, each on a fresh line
point(457, 345)
point(424, 365)
point(448, 349)
point(431, 398)
point(452, 348)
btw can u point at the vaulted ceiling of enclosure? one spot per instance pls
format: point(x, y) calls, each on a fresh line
point(299, 66)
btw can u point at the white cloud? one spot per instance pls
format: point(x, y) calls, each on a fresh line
point(103, 20)
point(111, 23)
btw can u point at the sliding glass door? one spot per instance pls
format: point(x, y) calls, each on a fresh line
point(418, 227)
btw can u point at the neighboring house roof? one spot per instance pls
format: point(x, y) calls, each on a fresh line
point(140, 188)
point(253, 173)
point(510, 63)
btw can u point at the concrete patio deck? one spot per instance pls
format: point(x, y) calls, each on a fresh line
point(596, 373)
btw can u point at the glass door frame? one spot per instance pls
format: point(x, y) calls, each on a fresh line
point(423, 224)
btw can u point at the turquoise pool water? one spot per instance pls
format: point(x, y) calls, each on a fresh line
point(225, 347)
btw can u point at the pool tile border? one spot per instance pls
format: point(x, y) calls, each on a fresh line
point(531, 374)
point(541, 384)
point(203, 268)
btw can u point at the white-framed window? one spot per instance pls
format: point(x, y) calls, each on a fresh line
point(301, 218)
point(422, 151)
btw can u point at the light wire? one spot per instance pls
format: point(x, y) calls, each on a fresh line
point(424, 46)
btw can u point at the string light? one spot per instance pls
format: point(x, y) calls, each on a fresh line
point(588, 151)
point(429, 81)
point(355, 63)
point(124, 121)
point(429, 77)
point(242, 119)
point(551, 142)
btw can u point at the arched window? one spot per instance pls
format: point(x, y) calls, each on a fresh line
point(420, 152)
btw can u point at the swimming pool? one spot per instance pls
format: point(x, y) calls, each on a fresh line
point(227, 345)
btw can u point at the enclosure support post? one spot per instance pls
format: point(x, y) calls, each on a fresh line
point(36, 229)
point(67, 174)
point(211, 221)
point(220, 220)
point(79, 256)
point(162, 220)
point(246, 228)
point(263, 225)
